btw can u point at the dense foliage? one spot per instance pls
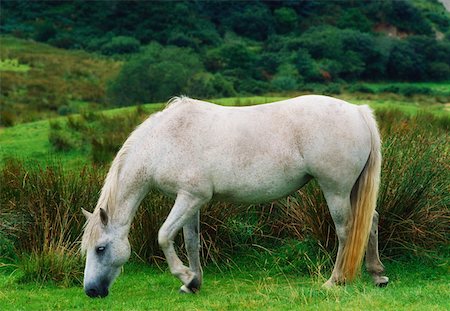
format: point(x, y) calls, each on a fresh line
point(205, 48)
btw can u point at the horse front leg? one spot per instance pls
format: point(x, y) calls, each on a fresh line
point(185, 208)
point(373, 262)
point(192, 242)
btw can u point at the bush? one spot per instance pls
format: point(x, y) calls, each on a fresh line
point(438, 71)
point(156, 74)
point(207, 85)
point(44, 32)
point(286, 79)
point(286, 20)
point(307, 66)
point(7, 251)
point(253, 21)
point(121, 45)
point(404, 63)
point(6, 118)
point(360, 88)
point(60, 140)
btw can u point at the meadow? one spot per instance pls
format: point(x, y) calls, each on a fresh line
point(272, 256)
point(413, 286)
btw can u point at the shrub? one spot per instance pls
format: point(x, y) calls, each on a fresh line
point(60, 140)
point(286, 20)
point(307, 66)
point(64, 110)
point(207, 85)
point(95, 133)
point(286, 79)
point(156, 74)
point(44, 32)
point(410, 90)
point(438, 71)
point(6, 118)
point(404, 63)
point(121, 45)
point(361, 88)
point(253, 21)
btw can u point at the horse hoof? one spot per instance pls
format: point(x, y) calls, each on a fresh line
point(194, 285)
point(192, 288)
point(185, 290)
point(328, 284)
point(382, 281)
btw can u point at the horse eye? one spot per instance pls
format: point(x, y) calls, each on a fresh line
point(100, 249)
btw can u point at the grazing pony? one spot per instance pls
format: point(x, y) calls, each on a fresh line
point(195, 151)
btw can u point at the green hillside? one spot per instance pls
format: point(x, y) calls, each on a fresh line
point(39, 81)
point(218, 48)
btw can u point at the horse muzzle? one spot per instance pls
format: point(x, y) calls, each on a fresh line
point(96, 292)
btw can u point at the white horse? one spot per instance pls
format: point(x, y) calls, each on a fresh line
point(196, 151)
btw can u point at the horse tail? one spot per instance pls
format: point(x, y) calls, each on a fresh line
point(363, 202)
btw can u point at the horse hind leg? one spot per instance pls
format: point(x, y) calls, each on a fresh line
point(191, 233)
point(340, 210)
point(373, 262)
point(185, 208)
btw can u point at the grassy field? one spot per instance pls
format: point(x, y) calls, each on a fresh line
point(39, 80)
point(413, 286)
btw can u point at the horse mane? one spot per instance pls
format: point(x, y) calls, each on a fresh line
point(107, 199)
point(176, 100)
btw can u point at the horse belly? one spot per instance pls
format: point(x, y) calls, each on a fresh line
point(254, 187)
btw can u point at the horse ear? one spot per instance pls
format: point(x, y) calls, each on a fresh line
point(86, 213)
point(103, 217)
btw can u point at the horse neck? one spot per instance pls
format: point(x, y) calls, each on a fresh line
point(127, 181)
point(127, 201)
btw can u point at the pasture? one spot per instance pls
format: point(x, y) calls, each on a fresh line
point(52, 167)
point(252, 286)
point(78, 76)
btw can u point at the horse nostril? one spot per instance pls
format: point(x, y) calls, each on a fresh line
point(104, 293)
point(92, 292)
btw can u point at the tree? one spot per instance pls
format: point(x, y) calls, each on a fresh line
point(156, 74)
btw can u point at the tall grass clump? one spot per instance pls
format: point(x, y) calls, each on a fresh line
point(44, 205)
point(414, 195)
point(98, 134)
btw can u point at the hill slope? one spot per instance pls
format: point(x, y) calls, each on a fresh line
point(40, 81)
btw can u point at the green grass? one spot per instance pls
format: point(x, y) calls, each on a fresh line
point(413, 286)
point(13, 65)
point(435, 86)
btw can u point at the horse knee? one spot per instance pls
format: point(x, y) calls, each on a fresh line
point(163, 239)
